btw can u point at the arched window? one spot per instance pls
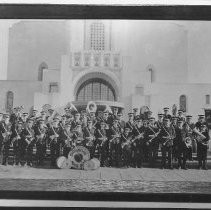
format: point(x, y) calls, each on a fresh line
point(42, 66)
point(151, 69)
point(183, 103)
point(95, 89)
point(9, 101)
point(97, 36)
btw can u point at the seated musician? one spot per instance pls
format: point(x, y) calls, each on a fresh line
point(101, 135)
point(152, 141)
point(126, 147)
point(41, 141)
point(90, 142)
point(167, 135)
point(202, 147)
point(180, 145)
point(115, 144)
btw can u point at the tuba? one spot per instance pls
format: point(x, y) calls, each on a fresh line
point(91, 107)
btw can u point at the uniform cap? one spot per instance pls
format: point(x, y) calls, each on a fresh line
point(6, 115)
point(165, 108)
point(127, 128)
point(180, 110)
point(151, 118)
point(189, 116)
point(135, 109)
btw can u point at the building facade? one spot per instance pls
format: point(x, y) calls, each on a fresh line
point(124, 63)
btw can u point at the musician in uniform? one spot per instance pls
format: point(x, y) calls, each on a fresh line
point(89, 136)
point(149, 115)
point(28, 137)
point(166, 113)
point(167, 135)
point(135, 113)
point(16, 116)
point(54, 135)
point(174, 121)
point(121, 122)
point(159, 122)
point(78, 136)
point(41, 141)
point(76, 120)
point(6, 130)
point(202, 146)
point(130, 123)
point(152, 141)
point(15, 142)
point(180, 144)
point(24, 118)
point(67, 139)
point(125, 140)
point(137, 144)
point(115, 144)
point(107, 121)
point(101, 135)
point(84, 118)
point(201, 120)
point(180, 115)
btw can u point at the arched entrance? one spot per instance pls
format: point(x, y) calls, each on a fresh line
point(95, 89)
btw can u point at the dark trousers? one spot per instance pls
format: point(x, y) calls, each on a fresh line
point(138, 155)
point(66, 151)
point(182, 155)
point(202, 154)
point(55, 150)
point(104, 154)
point(126, 154)
point(166, 150)
point(153, 150)
point(115, 151)
point(29, 154)
point(40, 153)
point(6, 149)
point(17, 154)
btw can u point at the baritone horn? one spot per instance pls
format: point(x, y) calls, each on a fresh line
point(91, 107)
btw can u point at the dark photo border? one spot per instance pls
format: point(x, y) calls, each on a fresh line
point(156, 12)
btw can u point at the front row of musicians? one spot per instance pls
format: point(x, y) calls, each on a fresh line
point(118, 143)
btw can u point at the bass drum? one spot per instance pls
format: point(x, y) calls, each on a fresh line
point(61, 162)
point(92, 164)
point(78, 156)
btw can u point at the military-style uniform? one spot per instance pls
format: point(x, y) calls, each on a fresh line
point(115, 145)
point(41, 143)
point(152, 141)
point(90, 141)
point(167, 135)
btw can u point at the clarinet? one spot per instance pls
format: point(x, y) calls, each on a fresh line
point(55, 134)
point(103, 138)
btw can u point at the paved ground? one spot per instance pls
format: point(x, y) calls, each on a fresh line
point(106, 180)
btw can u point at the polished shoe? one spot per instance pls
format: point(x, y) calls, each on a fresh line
point(204, 168)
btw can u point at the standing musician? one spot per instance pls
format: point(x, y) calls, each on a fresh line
point(28, 141)
point(106, 120)
point(115, 144)
point(121, 122)
point(101, 135)
point(16, 116)
point(84, 118)
point(78, 136)
point(89, 136)
point(24, 118)
point(76, 120)
point(166, 113)
point(180, 144)
point(152, 141)
point(159, 122)
point(130, 123)
point(167, 136)
point(41, 141)
point(67, 139)
point(202, 146)
point(174, 121)
point(54, 135)
point(180, 115)
point(135, 113)
point(6, 131)
point(137, 145)
point(93, 118)
point(16, 141)
point(201, 120)
point(149, 115)
point(126, 138)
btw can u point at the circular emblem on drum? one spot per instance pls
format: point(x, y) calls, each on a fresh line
point(78, 156)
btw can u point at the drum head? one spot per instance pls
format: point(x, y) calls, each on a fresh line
point(61, 162)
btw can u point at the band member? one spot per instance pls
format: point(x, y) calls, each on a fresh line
point(102, 144)
point(121, 122)
point(16, 116)
point(167, 136)
point(67, 139)
point(24, 118)
point(115, 144)
point(63, 122)
point(149, 115)
point(166, 113)
point(126, 138)
point(54, 140)
point(115, 112)
point(6, 130)
point(15, 143)
point(137, 144)
point(78, 136)
point(28, 137)
point(180, 144)
point(159, 122)
point(130, 123)
point(180, 115)
point(135, 113)
point(202, 147)
point(84, 118)
point(89, 136)
point(174, 121)
point(106, 120)
point(93, 118)
point(41, 141)
point(201, 120)
point(76, 121)
point(151, 134)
